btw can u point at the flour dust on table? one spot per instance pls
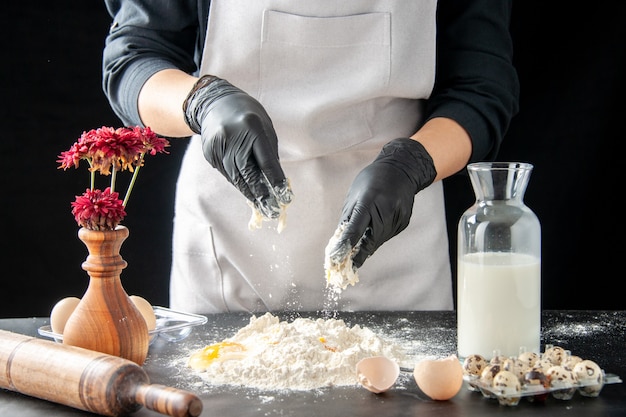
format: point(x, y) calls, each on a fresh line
point(302, 354)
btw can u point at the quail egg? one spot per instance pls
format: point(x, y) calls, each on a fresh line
point(554, 354)
point(473, 366)
point(590, 377)
point(562, 379)
point(516, 366)
point(529, 358)
point(497, 357)
point(508, 388)
point(536, 377)
point(543, 363)
point(570, 361)
point(535, 380)
point(486, 377)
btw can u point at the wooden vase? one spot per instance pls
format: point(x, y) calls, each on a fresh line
point(106, 320)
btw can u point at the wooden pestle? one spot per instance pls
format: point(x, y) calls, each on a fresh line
point(86, 379)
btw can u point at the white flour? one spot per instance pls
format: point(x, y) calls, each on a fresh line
point(340, 275)
point(300, 355)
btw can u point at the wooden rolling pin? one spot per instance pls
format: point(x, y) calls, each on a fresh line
point(86, 379)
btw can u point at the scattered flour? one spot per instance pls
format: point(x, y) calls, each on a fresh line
point(256, 219)
point(340, 271)
point(284, 196)
point(302, 354)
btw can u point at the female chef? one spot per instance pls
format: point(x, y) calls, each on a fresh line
point(323, 116)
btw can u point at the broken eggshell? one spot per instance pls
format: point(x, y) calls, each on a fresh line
point(440, 379)
point(377, 373)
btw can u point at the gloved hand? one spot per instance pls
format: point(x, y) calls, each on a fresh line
point(238, 139)
point(379, 202)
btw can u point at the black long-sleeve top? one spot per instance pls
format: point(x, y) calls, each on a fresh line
point(476, 83)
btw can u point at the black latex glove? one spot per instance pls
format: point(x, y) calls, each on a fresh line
point(239, 140)
point(379, 202)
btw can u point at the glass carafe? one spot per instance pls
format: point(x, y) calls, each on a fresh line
point(499, 264)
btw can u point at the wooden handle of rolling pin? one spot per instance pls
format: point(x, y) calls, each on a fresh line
point(85, 379)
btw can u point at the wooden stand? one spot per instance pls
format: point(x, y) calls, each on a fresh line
point(106, 320)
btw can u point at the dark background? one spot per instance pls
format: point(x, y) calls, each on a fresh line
point(570, 128)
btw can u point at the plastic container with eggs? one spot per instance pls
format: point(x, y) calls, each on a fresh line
point(555, 372)
point(162, 322)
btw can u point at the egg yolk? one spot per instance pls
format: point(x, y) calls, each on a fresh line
point(205, 356)
point(331, 348)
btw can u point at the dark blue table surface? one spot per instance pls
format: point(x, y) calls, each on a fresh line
point(596, 335)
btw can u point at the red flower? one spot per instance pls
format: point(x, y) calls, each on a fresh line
point(98, 210)
point(106, 148)
point(108, 151)
point(152, 143)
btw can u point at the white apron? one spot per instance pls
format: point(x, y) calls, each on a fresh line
point(339, 79)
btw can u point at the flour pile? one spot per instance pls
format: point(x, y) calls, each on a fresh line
point(300, 355)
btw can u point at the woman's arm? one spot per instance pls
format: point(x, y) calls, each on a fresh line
point(146, 38)
point(448, 144)
point(161, 100)
point(476, 90)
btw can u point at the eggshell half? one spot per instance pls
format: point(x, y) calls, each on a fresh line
point(440, 379)
point(377, 373)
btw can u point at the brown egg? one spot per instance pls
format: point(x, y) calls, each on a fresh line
point(146, 310)
point(61, 312)
point(440, 379)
